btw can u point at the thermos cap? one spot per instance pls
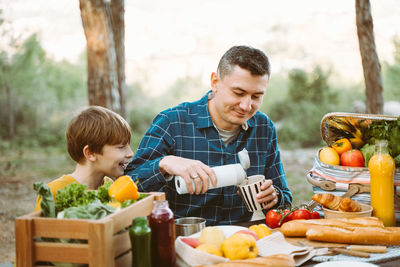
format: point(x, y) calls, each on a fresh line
point(244, 159)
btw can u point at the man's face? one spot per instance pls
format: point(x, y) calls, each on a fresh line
point(238, 96)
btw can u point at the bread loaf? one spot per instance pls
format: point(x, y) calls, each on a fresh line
point(300, 227)
point(389, 236)
point(349, 205)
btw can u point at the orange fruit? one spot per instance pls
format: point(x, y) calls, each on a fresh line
point(329, 156)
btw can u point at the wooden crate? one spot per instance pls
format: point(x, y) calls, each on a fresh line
point(108, 242)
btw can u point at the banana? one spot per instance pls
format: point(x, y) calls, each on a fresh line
point(344, 127)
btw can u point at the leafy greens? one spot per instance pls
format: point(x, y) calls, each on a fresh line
point(386, 130)
point(47, 204)
point(92, 211)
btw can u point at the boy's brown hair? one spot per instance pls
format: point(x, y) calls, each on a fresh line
point(96, 127)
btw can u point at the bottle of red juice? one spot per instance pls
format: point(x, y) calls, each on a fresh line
point(162, 224)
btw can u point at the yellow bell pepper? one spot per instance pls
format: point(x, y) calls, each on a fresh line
point(210, 248)
point(123, 188)
point(239, 247)
point(115, 204)
point(261, 230)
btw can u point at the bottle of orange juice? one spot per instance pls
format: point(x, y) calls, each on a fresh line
point(381, 167)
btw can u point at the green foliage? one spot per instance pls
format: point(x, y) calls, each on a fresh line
point(143, 108)
point(41, 95)
point(276, 92)
point(391, 74)
point(298, 115)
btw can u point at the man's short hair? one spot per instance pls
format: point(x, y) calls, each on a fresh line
point(246, 57)
point(96, 127)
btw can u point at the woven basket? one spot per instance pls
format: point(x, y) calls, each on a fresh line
point(338, 178)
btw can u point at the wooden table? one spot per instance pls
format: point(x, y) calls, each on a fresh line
point(387, 263)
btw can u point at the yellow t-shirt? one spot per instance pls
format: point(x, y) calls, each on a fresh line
point(56, 185)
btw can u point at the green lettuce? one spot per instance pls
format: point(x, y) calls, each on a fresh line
point(386, 130)
point(47, 204)
point(102, 192)
point(74, 195)
point(92, 211)
point(368, 151)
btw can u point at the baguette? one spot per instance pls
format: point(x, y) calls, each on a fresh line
point(278, 260)
point(389, 236)
point(300, 227)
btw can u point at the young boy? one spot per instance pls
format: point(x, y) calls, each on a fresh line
point(98, 139)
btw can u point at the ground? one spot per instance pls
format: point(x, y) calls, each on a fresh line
point(19, 170)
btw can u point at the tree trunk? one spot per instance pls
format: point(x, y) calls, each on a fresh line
point(103, 78)
point(118, 26)
point(369, 57)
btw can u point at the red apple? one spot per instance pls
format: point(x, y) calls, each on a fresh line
point(193, 242)
point(352, 158)
point(248, 232)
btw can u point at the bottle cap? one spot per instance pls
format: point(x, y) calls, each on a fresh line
point(139, 220)
point(244, 158)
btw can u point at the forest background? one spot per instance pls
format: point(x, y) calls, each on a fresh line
point(46, 86)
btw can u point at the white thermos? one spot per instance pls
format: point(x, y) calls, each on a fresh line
point(231, 174)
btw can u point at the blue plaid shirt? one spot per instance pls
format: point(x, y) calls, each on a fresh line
point(187, 131)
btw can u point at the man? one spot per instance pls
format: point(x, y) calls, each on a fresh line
point(189, 139)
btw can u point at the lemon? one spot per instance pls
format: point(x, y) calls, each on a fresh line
point(329, 156)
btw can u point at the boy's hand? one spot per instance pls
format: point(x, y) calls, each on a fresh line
point(189, 170)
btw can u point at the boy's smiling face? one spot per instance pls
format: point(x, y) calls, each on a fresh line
point(114, 159)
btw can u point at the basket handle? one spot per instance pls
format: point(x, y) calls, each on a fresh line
point(323, 184)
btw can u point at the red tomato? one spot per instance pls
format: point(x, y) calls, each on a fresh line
point(315, 215)
point(301, 214)
point(273, 218)
point(352, 158)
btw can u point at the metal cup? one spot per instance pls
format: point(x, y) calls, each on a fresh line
point(189, 225)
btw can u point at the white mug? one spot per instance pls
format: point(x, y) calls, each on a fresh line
point(249, 190)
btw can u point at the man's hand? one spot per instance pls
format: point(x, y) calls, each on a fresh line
point(189, 170)
point(267, 195)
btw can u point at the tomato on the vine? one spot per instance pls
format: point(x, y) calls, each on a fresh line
point(301, 214)
point(288, 216)
point(273, 218)
point(315, 215)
